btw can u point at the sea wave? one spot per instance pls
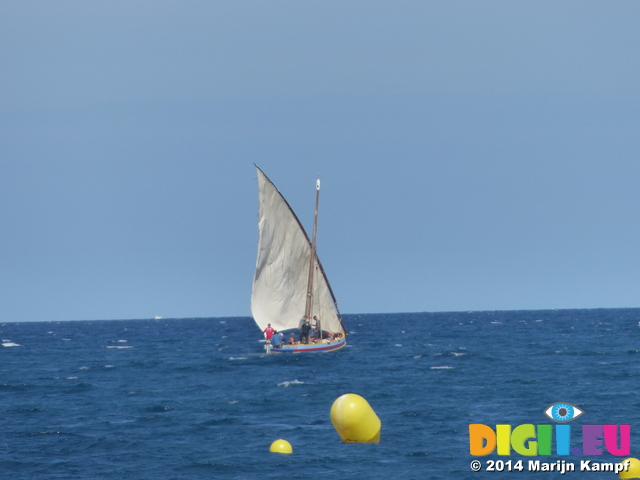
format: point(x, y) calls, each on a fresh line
point(293, 382)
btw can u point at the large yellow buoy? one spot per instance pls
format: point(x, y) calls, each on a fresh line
point(281, 446)
point(354, 419)
point(634, 468)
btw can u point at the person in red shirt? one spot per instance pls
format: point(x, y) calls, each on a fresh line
point(268, 333)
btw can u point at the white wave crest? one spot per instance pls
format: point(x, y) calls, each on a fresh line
point(293, 382)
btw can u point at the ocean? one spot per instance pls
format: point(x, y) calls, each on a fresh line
point(197, 398)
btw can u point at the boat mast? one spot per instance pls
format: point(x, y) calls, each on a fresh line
point(307, 310)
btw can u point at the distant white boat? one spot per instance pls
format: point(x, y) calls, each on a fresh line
point(157, 317)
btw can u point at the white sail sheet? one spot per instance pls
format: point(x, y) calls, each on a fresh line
point(282, 269)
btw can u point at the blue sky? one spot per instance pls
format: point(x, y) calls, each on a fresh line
point(473, 155)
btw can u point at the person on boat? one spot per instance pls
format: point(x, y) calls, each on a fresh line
point(304, 332)
point(276, 339)
point(312, 333)
point(292, 339)
point(268, 332)
point(317, 329)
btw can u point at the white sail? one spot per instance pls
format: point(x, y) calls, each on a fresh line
point(282, 269)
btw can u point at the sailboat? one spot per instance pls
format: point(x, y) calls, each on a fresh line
point(290, 285)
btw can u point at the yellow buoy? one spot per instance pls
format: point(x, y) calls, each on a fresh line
point(281, 446)
point(354, 419)
point(633, 471)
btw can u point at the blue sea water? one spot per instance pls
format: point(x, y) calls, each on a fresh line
point(197, 399)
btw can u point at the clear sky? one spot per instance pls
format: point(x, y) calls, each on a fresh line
point(473, 155)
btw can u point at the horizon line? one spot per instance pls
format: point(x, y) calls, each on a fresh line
point(345, 314)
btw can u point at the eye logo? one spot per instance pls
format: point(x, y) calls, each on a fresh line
point(562, 412)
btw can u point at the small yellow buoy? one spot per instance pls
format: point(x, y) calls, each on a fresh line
point(281, 446)
point(354, 419)
point(634, 468)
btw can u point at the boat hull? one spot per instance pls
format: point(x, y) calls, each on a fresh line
point(309, 348)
